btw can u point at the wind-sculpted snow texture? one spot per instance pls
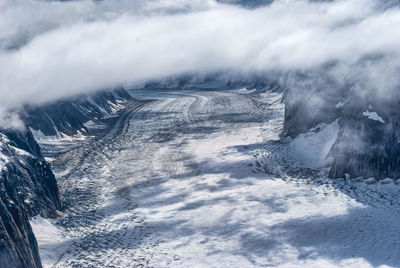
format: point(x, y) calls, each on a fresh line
point(200, 178)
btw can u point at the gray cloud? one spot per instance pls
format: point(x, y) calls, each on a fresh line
point(53, 50)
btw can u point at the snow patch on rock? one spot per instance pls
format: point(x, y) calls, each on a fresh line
point(341, 104)
point(42, 138)
point(311, 149)
point(39, 136)
point(373, 116)
point(3, 157)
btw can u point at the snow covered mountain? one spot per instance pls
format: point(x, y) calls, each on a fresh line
point(29, 188)
point(27, 183)
point(333, 68)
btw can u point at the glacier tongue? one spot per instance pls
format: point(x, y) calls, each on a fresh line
point(200, 178)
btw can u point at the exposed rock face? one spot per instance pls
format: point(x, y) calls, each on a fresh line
point(18, 244)
point(368, 141)
point(310, 100)
point(31, 175)
point(247, 3)
point(68, 116)
point(219, 81)
point(27, 184)
point(27, 188)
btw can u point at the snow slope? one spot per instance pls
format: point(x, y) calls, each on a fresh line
point(50, 238)
point(311, 149)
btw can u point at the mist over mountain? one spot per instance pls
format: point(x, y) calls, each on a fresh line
point(67, 48)
point(204, 133)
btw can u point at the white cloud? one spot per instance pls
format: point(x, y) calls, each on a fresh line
point(81, 46)
point(10, 119)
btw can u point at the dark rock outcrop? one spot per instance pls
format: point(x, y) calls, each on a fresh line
point(27, 188)
point(311, 99)
point(218, 81)
point(68, 116)
point(368, 141)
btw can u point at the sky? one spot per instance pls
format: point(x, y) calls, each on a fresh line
point(50, 50)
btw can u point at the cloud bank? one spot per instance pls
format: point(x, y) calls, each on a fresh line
point(52, 50)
